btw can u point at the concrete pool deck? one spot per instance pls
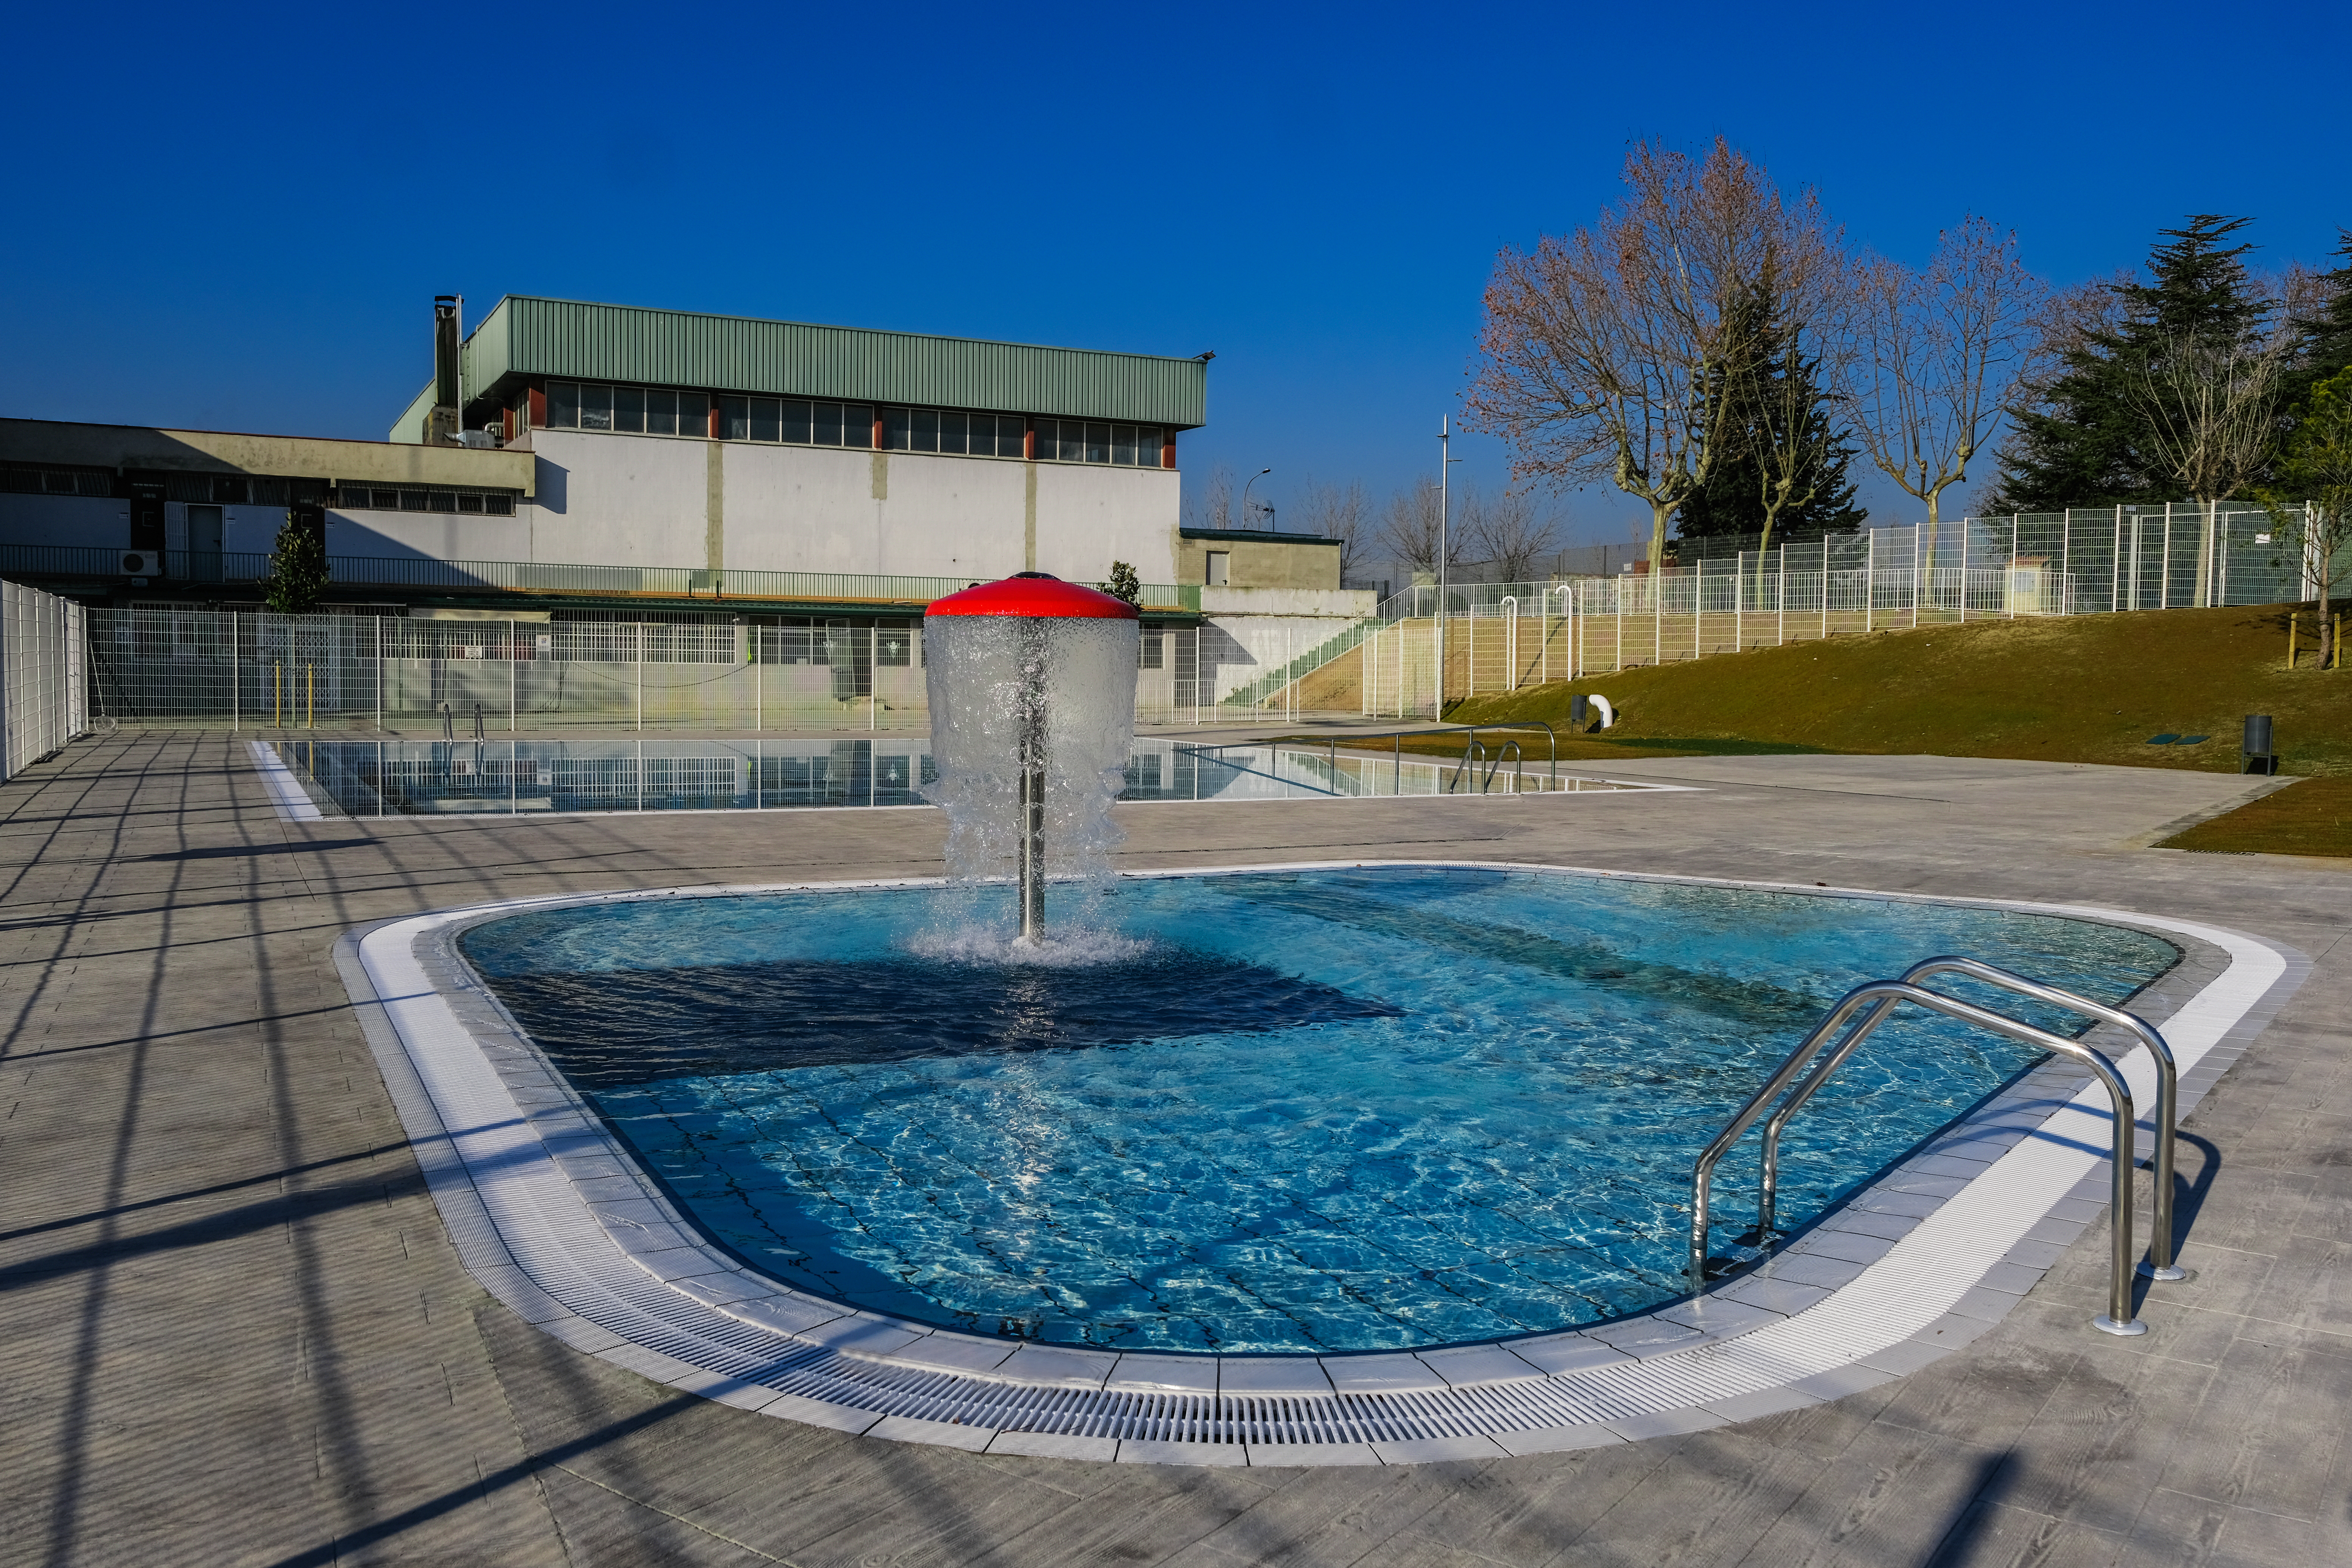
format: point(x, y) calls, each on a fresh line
point(236, 1329)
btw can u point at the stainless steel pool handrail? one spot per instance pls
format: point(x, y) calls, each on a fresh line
point(1475, 752)
point(1396, 738)
point(2158, 1265)
point(2118, 1319)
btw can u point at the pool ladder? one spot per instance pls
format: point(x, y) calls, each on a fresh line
point(1880, 997)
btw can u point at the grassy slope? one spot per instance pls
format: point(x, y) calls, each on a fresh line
point(2084, 689)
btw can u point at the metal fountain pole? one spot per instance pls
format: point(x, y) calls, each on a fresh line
point(1032, 851)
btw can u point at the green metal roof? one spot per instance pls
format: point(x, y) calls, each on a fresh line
point(526, 337)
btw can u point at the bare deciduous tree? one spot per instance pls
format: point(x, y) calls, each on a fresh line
point(1604, 351)
point(1409, 532)
point(2209, 405)
point(1340, 512)
point(1928, 357)
point(1512, 533)
point(1213, 507)
point(1776, 359)
point(2310, 499)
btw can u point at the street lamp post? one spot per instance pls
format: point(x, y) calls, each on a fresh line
point(1245, 491)
point(1445, 467)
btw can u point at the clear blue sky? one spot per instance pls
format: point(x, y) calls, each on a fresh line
point(236, 216)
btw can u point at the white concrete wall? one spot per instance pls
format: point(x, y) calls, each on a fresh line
point(618, 501)
point(440, 535)
point(1088, 517)
point(1352, 603)
point(87, 521)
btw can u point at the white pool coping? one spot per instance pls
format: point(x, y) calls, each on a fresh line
point(552, 1215)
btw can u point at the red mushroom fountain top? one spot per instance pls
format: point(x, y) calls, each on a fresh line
point(1034, 593)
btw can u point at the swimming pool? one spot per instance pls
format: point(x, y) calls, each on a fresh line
point(493, 778)
point(1315, 1111)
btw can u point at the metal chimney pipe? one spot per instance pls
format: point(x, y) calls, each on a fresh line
point(447, 311)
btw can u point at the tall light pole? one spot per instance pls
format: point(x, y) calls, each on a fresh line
point(1445, 467)
point(1245, 489)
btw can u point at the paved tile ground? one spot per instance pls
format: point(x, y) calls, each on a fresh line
point(232, 1330)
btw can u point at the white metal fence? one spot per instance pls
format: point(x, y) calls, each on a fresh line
point(41, 675)
point(1499, 636)
point(246, 671)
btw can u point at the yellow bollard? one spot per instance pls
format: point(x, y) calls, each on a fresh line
point(310, 697)
point(2290, 639)
point(277, 697)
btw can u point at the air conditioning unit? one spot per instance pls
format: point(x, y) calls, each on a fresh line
point(142, 564)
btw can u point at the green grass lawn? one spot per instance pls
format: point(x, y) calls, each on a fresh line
point(2080, 688)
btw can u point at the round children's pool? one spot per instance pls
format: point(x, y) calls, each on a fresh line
point(1335, 1110)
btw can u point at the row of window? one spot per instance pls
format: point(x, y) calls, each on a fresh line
point(796, 421)
point(486, 504)
point(632, 410)
point(810, 422)
point(205, 489)
point(31, 481)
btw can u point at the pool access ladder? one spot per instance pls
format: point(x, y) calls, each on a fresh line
point(1882, 997)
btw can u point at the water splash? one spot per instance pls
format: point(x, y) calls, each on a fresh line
point(982, 672)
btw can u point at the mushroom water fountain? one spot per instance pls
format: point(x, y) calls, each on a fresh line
point(1032, 687)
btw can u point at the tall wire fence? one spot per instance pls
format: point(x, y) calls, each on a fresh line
point(42, 674)
point(1498, 636)
point(251, 670)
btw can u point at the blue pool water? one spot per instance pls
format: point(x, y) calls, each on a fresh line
point(1323, 1111)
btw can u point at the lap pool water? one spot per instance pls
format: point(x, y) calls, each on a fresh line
point(1314, 1111)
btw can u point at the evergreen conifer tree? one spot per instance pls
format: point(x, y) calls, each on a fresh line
point(1731, 505)
point(2325, 346)
point(297, 563)
point(2084, 443)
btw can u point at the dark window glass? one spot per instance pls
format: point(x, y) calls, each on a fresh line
point(1147, 655)
point(796, 422)
point(1097, 448)
point(1044, 430)
point(895, 428)
point(694, 413)
point(661, 413)
point(499, 506)
point(595, 408)
point(1122, 445)
point(629, 409)
point(766, 419)
point(1146, 446)
point(469, 503)
point(735, 419)
point(1008, 436)
point(927, 430)
point(415, 500)
point(564, 405)
point(443, 501)
point(858, 425)
point(828, 424)
point(894, 645)
point(953, 432)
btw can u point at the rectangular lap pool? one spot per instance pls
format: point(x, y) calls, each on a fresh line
point(433, 778)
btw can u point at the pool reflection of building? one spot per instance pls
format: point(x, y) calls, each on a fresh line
point(422, 778)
